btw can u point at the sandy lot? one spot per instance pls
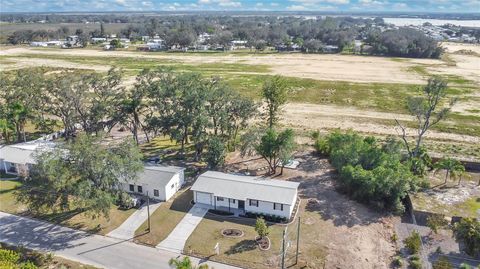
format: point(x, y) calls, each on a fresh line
point(321, 67)
point(313, 116)
point(453, 47)
point(352, 235)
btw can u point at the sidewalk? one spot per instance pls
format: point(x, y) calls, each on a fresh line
point(96, 250)
point(127, 229)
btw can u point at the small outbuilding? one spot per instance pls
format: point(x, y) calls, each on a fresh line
point(257, 195)
point(158, 182)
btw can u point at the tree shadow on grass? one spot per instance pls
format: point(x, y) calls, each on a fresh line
point(242, 246)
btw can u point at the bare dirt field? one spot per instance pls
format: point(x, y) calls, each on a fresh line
point(314, 116)
point(321, 67)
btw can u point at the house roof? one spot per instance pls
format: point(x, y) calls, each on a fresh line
point(23, 153)
point(246, 187)
point(158, 175)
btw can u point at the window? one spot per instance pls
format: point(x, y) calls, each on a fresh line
point(277, 206)
point(132, 187)
point(156, 193)
point(232, 201)
point(253, 203)
point(173, 186)
point(219, 198)
point(139, 189)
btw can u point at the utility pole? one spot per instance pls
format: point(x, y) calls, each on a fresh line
point(298, 240)
point(148, 211)
point(283, 249)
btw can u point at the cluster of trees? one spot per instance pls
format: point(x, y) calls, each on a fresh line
point(263, 31)
point(34, 95)
point(81, 175)
point(403, 42)
point(369, 172)
point(184, 106)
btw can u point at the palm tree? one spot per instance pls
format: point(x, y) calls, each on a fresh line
point(453, 168)
point(185, 263)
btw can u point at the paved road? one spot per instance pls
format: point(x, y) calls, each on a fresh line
point(129, 226)
point(178, 237)
point(96, 250)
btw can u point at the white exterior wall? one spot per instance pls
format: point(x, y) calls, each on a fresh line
point(164, 192)
point(177, 182)
point(224, 203)
point(267, 209)
point(145, 188)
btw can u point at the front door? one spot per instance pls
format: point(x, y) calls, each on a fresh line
point(241, 204)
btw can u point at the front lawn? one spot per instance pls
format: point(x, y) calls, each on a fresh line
point(73, 218)
point(242, 251)
point(165, 218)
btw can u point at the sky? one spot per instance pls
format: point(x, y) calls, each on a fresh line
point(241, 5)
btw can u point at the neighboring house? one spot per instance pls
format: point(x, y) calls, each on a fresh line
point(18, 158)
point(159, 182)
point(250, 194)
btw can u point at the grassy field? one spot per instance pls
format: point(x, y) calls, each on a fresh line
point(73, 218)
point(165, 218)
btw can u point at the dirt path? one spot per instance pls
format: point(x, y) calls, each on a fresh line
point(312, 116)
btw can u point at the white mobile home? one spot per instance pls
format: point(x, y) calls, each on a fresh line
point(17, 159)
point(158, 182)
point(250, 194)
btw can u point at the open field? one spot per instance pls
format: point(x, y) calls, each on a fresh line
point(73, 218)
point(326, 91)
point(320, 67)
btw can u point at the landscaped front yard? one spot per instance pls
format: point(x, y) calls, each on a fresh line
point(73, 218)
point(240, 251)
point(165, 218)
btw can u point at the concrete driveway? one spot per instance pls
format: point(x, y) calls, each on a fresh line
point(127, 230)
point(96, 250)
point(176, 240)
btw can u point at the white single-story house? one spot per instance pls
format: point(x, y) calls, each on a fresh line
point(17, 159)
point(158, 182)
point(257, 195)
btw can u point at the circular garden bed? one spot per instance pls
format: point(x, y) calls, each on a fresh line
point(232, 233)
point(263, 242)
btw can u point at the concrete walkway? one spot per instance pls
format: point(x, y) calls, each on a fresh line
point(176, 240)
point(96, 250)
point(127, 230)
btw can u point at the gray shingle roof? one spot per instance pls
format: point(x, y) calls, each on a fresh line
point(246, 187)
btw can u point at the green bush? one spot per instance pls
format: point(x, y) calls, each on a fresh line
point(28, 265)
point(322, 147)
point(435, 222)
point(442, 263)
point(415, 264)
point(468, 231)
point(464, 266)
point(370, 173)
point(413, 242)
point(8, 256)
point(397, 261)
